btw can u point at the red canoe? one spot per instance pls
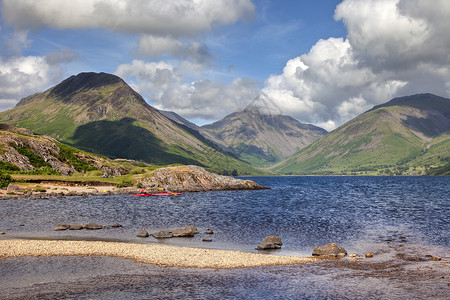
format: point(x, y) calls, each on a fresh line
point(156, 194)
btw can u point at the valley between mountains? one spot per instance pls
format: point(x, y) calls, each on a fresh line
point(99, 113)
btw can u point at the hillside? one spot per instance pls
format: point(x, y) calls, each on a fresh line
point(100, 113)
point(261, 138)
point(407, 135)
point(22, 151)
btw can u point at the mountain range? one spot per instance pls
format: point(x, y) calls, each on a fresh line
point(100, 113)
point(407, 135)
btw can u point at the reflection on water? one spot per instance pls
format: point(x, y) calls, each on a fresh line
point(362, 214)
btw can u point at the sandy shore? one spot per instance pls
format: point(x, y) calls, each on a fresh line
point(167, 256)
point(49, 190)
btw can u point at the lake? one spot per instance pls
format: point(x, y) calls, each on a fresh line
point(361, 214)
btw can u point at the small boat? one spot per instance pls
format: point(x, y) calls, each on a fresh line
point(156, 194)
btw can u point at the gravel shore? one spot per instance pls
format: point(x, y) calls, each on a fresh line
point(164, 256)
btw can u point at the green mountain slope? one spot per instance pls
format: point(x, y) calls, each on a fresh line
point(261, 139)
point(407, 135)
point(100, 113)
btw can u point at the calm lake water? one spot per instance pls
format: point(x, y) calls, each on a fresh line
point(362, 214)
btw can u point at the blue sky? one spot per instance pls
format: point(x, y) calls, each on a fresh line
point(323, 62)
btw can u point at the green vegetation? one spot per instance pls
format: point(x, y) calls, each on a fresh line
point(380, 142)
point(35, 160)
point(67, 155)
point(5, 180)
point(6, 167)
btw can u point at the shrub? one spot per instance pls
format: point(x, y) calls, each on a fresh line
point(125, 183)
point(5, 180)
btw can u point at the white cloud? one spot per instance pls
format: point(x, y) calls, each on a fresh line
point(154, 17)
point(22, 76)
point(166, 27)
point(393, 47)
point(156, 46)
point(163, 84)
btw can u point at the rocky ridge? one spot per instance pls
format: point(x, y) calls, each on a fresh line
point(193, 179)
point(27, 151)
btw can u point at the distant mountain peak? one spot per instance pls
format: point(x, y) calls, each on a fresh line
point(263, 105)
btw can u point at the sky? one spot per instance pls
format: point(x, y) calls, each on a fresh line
point(321, 62)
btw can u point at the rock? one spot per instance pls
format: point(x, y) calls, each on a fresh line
point(436, 258)
point(2, 233)
point(143, 233)
point(164, 234)
point(60, 227)
point(105, 226)
point(369, 255)
point(93, 226)
point(76, 227)
point(186, 232)
point(270, 242)
point(206, 240)
point(193, 228)
point(209, 231)
point(12, 188)
point(116, 225)
point(352, 256)
point(194, 179)
point(330, 249)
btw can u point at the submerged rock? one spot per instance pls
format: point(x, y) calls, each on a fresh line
point(270, 242)
point(60, 227)
point(183, 232)
point(76, 227)
point(93, 226)
point(163, 234)
point(330, 249)
point(143, 233)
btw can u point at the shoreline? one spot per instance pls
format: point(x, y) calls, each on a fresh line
point(158, 255)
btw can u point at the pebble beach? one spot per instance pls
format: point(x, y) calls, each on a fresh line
point(158, 255)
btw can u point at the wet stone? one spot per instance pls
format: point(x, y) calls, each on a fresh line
point(143, 233)
point(93, 226)
point(270, 242)
point(61, 227)
point(330, 249)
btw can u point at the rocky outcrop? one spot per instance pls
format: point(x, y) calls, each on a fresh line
point(330, 250)
point(270, 242)
point(14, 140)
point(194, 179)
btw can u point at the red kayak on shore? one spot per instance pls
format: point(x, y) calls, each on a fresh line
point(156, 194)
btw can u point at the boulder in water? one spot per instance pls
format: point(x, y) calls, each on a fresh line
point(93, 226)
point(330, 249)
point(60, 227)
point(164, 234)
point(143, 233)
point(270, 242)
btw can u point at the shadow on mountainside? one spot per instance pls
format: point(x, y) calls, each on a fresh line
point(122, 139)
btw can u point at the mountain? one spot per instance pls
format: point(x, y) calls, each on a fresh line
point(262, 138)
point(407, 135)
point(100, 113)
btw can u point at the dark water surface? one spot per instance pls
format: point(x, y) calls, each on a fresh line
point(362, 214)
